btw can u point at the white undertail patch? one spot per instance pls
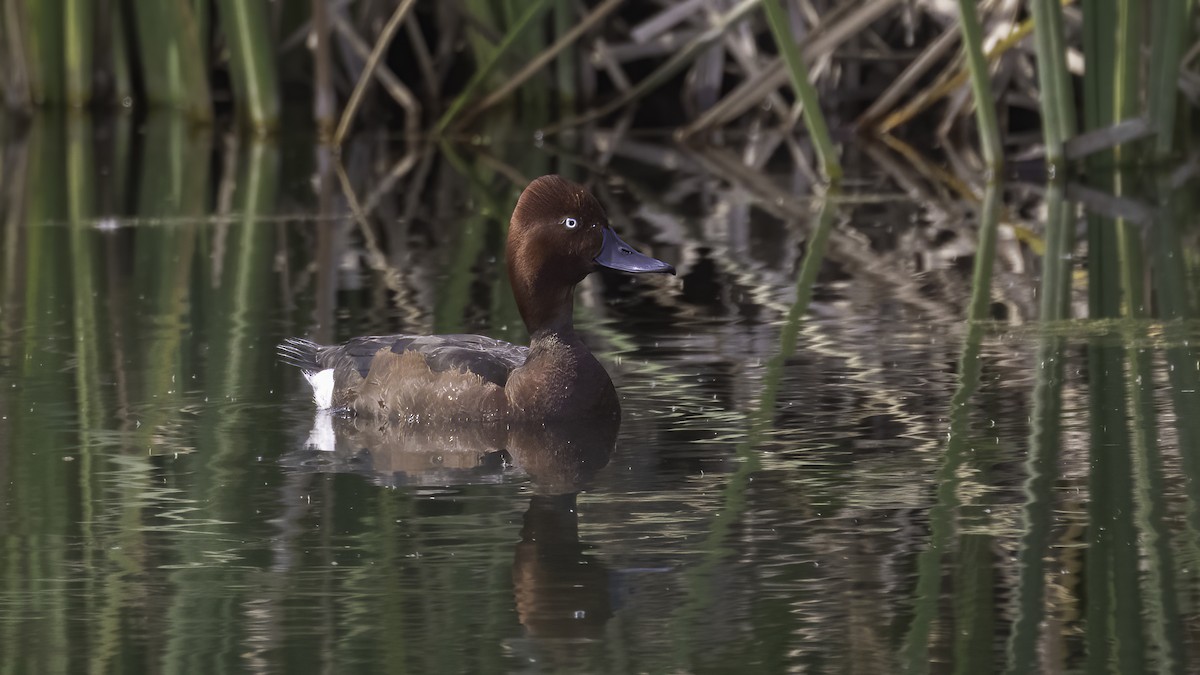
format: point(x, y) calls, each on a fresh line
point(322, 384)
point(322, 437)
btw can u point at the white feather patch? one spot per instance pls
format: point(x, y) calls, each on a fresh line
point(322, 384)
point(322, 436)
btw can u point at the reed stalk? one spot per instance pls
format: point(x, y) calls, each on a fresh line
point(942, 522)
point(173, 66)
point(42, 29)
point(1162, 618)
point(1099, 29)
point(944, 86)
point(6, 60)
point(1057, 97)
point(1128, 53)
point(532, 11)
point(981, 86)
point(1176, 299)
point(248, 280)
point(324, 99)
point(252, 62)
point(1045, 440)
point(1127, 92)
point(806, 280)
point(1115, 610)
point(534, 100)
point(484, 28)
point(174, 183)
point(559, 48)
point(678, 61)
point(13, 56)
point(122, 60)
point(364, 78)
point(86, 332)
point(202, 11)
point(814, 119)
point(78, 39)
point(39, 487)
point(699, 581)
point(566, 71)
point(1169, 25)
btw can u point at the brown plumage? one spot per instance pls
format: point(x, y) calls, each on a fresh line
point(557, 236)
point(402, 387)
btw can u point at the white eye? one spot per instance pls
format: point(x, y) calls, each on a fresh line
point(571, 223)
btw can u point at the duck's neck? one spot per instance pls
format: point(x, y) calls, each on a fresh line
point(560, 378)
point(545, 310)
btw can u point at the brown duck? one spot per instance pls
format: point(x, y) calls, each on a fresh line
point(558, 235)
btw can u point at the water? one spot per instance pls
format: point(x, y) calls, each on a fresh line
point(847, 476)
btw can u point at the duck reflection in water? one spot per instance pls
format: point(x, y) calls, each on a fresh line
point(560, 590)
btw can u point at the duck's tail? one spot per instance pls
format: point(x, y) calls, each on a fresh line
point(305, 355)
point(301, 353)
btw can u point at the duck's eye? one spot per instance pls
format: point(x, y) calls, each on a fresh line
point(571, 223)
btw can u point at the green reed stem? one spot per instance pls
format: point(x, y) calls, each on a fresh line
point(981, 86)
point(1099, 29)
point(252, 61)
point(247, 288)
point(202, 11)
point(975, 575)
point(1057, 97)
point(1128, 52)
point(1176, 301)
point(532, 11)
point(566, 71)
point(43, 34)
point(1126, 101)
point(700, 580)
point(1162, 615)
point(77, 50)
point(483, 13)
point(1169, 25)
point(814, 119)
point(535, 65)
point(789, 334)
point(122, 63)
point(173, 65)
point(1115, 610)
point(1045, 440)
point(942, 521)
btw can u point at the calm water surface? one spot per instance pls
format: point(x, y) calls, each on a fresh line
point(823, 465)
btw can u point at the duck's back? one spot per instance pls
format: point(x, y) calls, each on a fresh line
point(410, 377)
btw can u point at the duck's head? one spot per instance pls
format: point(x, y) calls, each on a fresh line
point(560, 232)
point(558, 235)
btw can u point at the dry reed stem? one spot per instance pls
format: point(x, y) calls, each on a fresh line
point(535, 65)
point(825, 39)
point(941, 89)
point(396, 88)
point(908, 78)
point(381, 45)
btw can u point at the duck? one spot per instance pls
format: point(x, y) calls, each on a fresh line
point(558, 234)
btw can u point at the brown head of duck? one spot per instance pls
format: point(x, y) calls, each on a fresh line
point(558, 235)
